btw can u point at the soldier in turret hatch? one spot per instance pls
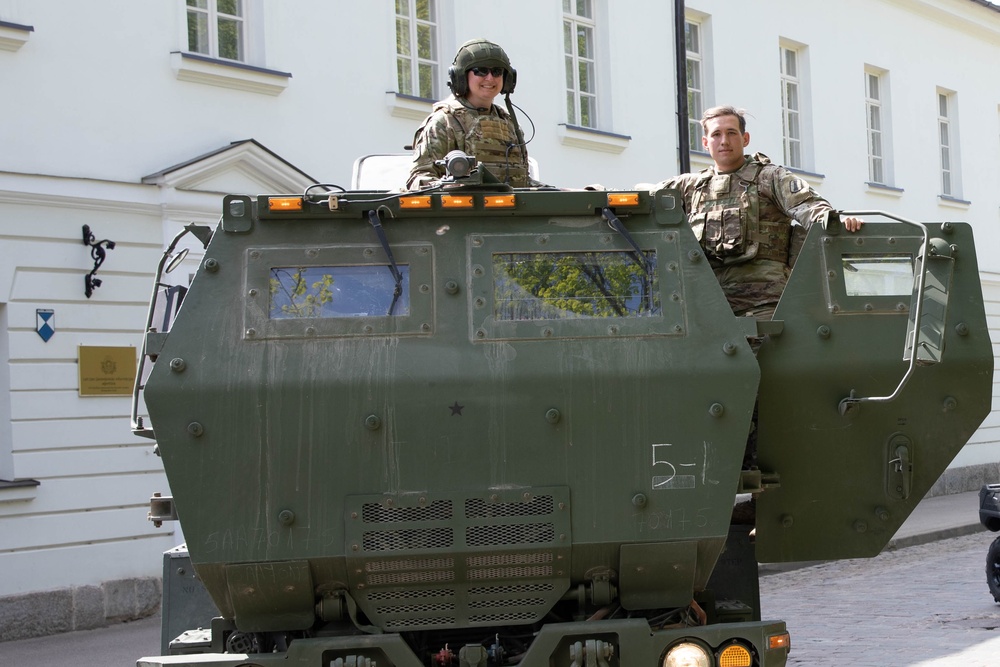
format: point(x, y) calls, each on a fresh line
point(743, 212)
point(469, 121)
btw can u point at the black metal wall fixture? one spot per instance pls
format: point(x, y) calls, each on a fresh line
point(98, 251)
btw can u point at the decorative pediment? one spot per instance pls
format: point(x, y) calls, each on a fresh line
point(241, 167)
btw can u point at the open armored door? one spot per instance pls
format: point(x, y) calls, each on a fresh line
point(852, 432)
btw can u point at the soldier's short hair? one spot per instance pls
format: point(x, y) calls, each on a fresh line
point(724, 110)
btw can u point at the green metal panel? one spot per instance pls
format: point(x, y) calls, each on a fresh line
point(845, 484)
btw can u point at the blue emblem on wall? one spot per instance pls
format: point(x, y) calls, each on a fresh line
point(45, 323)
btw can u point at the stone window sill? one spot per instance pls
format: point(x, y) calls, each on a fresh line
point(884, 190)
point(408, 106)
point(596, 140)
point(954, 202)
point(14, 35)
point(19, 490)
point(228, 74)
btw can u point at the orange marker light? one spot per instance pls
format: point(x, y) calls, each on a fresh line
point(499, 201)
point(452, 201)
point(284, 203)
point(422, 201)
point(779, 641)
point(623, 199)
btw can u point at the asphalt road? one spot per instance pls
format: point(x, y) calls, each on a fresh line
point(919, 606)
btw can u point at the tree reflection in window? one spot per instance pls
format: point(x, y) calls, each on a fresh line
point(570, 285)
point(335, 291)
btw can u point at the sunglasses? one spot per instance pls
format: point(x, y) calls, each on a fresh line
point(497, 72)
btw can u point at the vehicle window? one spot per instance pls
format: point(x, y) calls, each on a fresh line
point(573, 285)
point(336, 291)
point(878, 275)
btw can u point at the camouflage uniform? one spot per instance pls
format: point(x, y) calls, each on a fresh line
point(488, 135)
point(744, 222)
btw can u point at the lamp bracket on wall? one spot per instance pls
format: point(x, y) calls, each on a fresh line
point(98, 251)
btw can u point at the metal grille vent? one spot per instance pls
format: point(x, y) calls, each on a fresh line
point(498, 535)
point(477, 508)
point(400, 540)
point(426, 562)
point(439, 510)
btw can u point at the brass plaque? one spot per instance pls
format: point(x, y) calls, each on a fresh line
point(106, 371)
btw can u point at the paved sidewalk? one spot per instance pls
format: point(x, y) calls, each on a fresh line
point(939, 518)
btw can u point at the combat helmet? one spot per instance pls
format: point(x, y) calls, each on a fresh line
point(479, 53)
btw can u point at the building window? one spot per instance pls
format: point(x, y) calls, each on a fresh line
point(877, 117)
point(416, 48)
point(791, 107)
point(948, 144)
point(217, 28)
point(695, 83)
point(581, 62)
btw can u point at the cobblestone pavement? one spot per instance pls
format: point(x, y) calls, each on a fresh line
point(920, 606)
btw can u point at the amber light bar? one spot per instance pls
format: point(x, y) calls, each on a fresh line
point(421, 201)
point(452, 201)
point(284, 203)
point(499, 201)
point(623, 199)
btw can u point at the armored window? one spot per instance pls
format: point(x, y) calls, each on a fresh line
point(791, 108)
point(573, 285)
point(695, 82)
point(417, 48)
point(336, 291)
point(580, 58)
point(217, 28)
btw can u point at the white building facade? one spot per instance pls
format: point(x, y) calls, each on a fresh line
point(137, 131)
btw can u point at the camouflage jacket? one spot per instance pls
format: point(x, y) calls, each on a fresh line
point(490, 136)
point(745, 222)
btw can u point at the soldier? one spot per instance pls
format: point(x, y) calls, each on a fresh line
point(469, 121)
point(742, 211)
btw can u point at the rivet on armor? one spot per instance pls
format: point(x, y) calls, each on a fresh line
point(694, 255)
point(252, 292)
point(195, 429)
point(860, 526)
point(787, 520)
point(553, 416)
point(949, 404)
point(823, 332)
point(962, 329)
point(310, 331)
point(286, 517)
point(639, 500)
point(716, 410)
point(451, 287)
point(729, 348)
point(372, 422)
point(425, 288)
point(177, 364)
point(882, 513)
point(211, 265)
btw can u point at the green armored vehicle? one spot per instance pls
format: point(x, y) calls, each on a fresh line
point(481, 426)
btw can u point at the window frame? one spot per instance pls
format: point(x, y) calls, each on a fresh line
point(791, 111)
point(212, 17)
point(415, 61)
point(697, 104)
point(949, 173)
point(879, 106)
point(572, 23)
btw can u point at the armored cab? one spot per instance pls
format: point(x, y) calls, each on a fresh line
point(481, 426)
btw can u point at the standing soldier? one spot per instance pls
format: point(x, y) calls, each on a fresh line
point(469, 121)
point(743, 211)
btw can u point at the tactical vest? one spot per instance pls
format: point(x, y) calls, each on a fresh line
point(490, 138)
point(725, 216)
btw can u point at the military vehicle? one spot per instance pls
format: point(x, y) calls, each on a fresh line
point(482, 426)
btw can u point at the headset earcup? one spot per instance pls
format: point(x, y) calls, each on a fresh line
point(509, 82)
point(458, 84)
